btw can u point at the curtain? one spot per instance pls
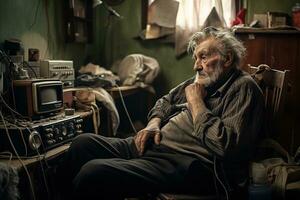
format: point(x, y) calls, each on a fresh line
point(193, 13)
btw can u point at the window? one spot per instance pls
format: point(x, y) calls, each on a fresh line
point(189, 16)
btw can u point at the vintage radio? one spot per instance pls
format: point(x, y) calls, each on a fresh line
point(40, 136)
point(58, 69)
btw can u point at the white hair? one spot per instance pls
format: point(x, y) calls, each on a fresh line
point(228, 43)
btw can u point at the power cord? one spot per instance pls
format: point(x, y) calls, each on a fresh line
point(7, 106)
point(43, 170)
point(39, 157)
point(218, 178)
point(22, 136)
point(31, 69)
point(125, 108)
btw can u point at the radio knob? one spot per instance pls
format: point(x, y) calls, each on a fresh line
point(78, 126)
point(50, 142)
point(79, 120)
point(71, 126)
point(54, 74)
point(49, 135)
point(48, 130)
point(56, 131)
point(34, 140)
point(64, 131)
point(67, 83)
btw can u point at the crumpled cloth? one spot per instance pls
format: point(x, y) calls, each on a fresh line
point(9, 180)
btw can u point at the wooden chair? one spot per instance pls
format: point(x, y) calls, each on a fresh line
point(274, 85)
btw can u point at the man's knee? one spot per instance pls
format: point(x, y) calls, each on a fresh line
point(82, 139)
point(92, 175)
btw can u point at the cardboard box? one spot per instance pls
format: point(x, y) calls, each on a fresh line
point(276, 19)
point(262, 20)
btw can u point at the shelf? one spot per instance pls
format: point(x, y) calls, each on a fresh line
point(78, 21)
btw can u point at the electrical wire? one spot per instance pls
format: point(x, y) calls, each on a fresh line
point(39, 156)
point(125, 108)
point(10, 156)
point(30, 67)
point(7, 106)
point(218, 178)
point(43, 171)
point(22, 136)
point(16, 153)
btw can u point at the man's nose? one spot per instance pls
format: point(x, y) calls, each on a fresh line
point(198, 66)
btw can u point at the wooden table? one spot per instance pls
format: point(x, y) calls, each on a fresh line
point(36, 174)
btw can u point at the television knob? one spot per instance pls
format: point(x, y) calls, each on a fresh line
point(34, 140)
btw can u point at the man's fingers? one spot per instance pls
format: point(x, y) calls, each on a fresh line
point(157, 138)
point(144, 139)
point(137, 140)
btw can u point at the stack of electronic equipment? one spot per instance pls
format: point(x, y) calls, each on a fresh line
point(31, 117)
point(52, 69)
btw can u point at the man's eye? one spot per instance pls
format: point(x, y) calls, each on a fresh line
point(203, 57)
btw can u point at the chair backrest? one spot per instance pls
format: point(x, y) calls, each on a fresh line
point(274, 84)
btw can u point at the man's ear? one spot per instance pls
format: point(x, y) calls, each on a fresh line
point(228, 59)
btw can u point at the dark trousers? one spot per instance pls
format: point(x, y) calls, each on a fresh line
point(98, 167)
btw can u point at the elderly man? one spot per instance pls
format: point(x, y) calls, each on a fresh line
point(204, 128)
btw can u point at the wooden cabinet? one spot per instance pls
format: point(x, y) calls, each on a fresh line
point(78, 21)
point(280, 49)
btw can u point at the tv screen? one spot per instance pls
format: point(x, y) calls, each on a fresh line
point(48, 95)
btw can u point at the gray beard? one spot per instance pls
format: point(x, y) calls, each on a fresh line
point(205, 79)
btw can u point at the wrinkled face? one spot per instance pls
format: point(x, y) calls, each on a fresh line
point(209, 64)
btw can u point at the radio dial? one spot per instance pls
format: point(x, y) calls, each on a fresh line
point(34, 140)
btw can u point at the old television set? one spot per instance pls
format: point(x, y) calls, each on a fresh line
point(35, 98)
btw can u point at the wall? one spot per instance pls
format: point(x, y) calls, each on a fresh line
point(113, 38)
point(120, 39)
point(17, 20)
point(258, 6)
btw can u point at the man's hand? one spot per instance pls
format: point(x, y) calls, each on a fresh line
point(151, 131)
point(195, 94)
point(142, 138)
